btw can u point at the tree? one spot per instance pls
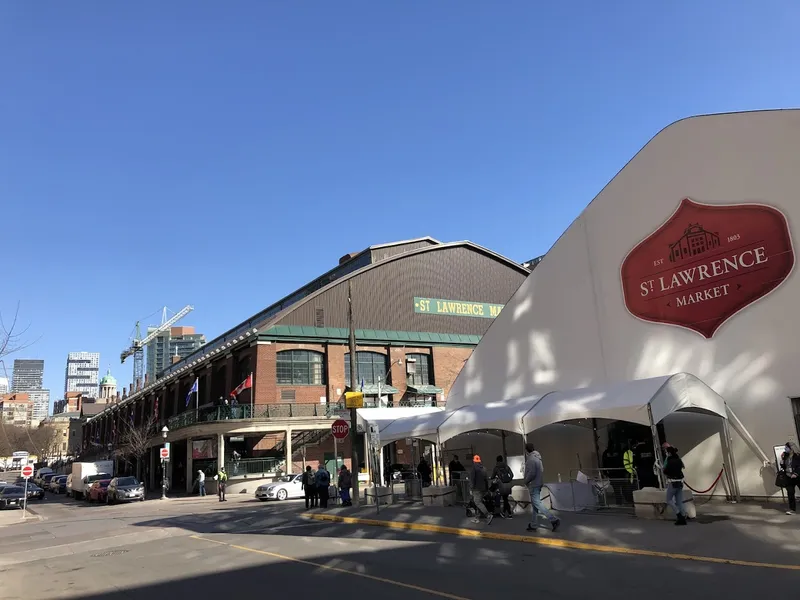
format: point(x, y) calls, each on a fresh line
point(135, 442)
point(47, 440)
point(12, 335)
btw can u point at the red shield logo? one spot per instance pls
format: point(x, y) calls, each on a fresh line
point(706, 263)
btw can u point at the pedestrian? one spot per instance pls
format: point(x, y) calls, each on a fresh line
point(201, 482)
point(424, 470)
point(673, 472)
point(479, 483)
point(790, 468)
point(503, 474)
point(534, 478)
point(455, 466)
point(344, 483)
point(323, 479)
point(221, 478)
point(309, 482)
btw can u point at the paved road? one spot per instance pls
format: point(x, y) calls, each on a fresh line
point(207, 549)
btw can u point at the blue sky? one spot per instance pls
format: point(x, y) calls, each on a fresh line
point(222, 154)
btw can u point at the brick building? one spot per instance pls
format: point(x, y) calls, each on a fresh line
point(419, 308)
point(16, 409)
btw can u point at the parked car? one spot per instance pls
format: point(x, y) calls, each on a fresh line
point(34, 491)
point(68, 488)
point(87, 483)
point(98, 490)
point(44, 483)
point(288, 486)
point(124, 489)
point(38, 479)
point(58, 484)
point(11, 496)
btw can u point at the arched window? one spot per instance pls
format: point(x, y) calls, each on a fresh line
point(369, 366)
point(421, 373)
point(300, 367)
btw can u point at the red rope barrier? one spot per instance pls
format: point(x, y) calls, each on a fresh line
point(713, 485)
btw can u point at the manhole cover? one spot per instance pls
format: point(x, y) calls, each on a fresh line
point(109, 553)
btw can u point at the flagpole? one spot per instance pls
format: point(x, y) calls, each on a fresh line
point(252, 396)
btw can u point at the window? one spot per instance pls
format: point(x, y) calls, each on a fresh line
point(422, 371)
point(369, 367)
point(300, 367)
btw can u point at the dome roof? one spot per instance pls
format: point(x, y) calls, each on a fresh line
point(108, 379)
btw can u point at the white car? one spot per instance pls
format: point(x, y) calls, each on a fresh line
point(288, 486)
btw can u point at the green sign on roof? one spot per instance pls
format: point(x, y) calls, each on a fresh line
point(456, 308)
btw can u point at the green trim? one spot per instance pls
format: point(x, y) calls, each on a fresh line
point(371, 389)
point(365, 336)
point(425, 389)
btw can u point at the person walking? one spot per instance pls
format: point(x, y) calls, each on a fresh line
point(222, 479)
point(309, 482)
point(201, 483)
point(323, 479)
point(479, 483)
point(673, 472)
point(344, 483)
point(790, 468)
point(424, 471)
point(503, 474)
point(534, 480)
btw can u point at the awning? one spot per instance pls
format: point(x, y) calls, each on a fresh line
point(423, 426)
point(372, 389)
point(385, 416)
point(627, 401)
point(427, 390)
point(506, 415)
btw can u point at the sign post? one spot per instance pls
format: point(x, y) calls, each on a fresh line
point(164, 452)
point(340, 430)
point(26, 472)
point(375, 442)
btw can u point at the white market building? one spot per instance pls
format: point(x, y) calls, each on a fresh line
point(674, 289)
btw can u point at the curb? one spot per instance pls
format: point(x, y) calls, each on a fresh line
point(548, 542)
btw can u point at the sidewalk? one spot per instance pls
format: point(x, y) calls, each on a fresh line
point(744, 532)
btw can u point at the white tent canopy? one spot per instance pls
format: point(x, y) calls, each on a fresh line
point(424, 426)
point(627, 401)
point(385, 416)
point(506, 415)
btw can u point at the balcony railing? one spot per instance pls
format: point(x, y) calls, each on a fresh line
point(372, 402)
point(244, 412)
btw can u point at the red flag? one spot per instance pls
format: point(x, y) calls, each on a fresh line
point(245, 385)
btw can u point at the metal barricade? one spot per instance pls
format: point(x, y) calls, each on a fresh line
point(607, 490)
point(413, 489)
point(460, 481)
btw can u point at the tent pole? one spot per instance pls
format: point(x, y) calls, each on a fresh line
point(596, 443)
point(656, 447)
point(731, 461)
point(503, 439)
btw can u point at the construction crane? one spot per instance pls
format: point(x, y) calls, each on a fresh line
point(137, 346)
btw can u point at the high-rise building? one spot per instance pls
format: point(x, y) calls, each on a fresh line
point(28, 375)
point(4, 387)
point(82, 373)
point(177, 341)
point(40, 406)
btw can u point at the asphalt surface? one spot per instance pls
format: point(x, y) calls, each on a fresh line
point(208, 549)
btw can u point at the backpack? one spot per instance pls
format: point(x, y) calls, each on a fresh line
point(506, 475)
point(323, 478)
point(309, 479)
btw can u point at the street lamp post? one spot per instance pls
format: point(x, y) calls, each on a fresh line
point(164, 433)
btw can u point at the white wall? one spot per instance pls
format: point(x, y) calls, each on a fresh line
point(567, 326)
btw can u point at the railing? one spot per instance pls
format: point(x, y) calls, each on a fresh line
point(249, 467)
point(239, 412)
point(372, 402)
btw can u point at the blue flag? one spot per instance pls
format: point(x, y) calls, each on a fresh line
point(192, 390)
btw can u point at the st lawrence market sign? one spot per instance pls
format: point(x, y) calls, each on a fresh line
point(706, 263)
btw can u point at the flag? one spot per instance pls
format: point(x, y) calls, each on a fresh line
point(245, 385)
point(192, 390)
point(155, 407)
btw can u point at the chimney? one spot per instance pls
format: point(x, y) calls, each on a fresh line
point(176, 359)
point(145, 380)
point(138, 384)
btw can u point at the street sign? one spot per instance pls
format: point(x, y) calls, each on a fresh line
point(27, 471)
point(354, 400)
point(164, 453)
point(340, 429)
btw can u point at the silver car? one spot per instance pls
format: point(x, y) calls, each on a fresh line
point(288, 486)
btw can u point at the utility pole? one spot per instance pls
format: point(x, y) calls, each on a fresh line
point(353, 382)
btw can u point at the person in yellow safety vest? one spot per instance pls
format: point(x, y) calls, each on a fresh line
point(627, 461)
point(222, 479)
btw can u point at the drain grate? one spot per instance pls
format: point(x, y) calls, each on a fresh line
point(109, 553)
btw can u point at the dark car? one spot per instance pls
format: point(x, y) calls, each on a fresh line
point(58, 484)
point(11, 496)
point(124, 489)
point(34, 491)
point(45, 484)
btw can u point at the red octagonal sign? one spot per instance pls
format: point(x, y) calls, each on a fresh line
point(340, 429)
point(706, 263)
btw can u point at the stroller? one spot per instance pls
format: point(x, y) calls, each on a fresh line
point(491, 499)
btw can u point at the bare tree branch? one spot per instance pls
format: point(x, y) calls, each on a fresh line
point(134, 441)
point(13, 336)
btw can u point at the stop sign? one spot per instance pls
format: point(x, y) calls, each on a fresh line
point(340, 429)
point(27, 471)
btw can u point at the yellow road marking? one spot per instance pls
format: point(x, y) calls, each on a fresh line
point(549, 542)
point(409, 586)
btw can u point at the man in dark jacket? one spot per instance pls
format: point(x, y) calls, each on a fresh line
point(309, 482)
point(479, 484)
point(503, 475)
point(790, 466)
point(455, 466)
point(344, 483)
point(323, 479)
